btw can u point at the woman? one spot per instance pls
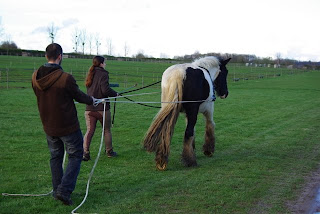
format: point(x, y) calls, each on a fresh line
point(97, 83)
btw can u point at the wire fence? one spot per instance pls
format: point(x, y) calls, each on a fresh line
point(11, 77)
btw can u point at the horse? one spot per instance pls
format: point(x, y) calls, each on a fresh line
point(189, 88)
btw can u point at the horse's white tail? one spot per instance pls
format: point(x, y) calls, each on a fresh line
point(162, 126)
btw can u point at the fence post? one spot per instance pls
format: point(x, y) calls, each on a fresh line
point(125, 80)
point(142, 80)
point(243, 76)
point(7, 78)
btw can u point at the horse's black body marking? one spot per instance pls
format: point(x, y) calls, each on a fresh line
point(195, 87)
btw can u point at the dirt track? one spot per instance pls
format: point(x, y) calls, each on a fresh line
point(309, 200)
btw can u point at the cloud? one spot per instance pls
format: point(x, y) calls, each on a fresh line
point(69, 22)
point(40, 30)
point(65, 24)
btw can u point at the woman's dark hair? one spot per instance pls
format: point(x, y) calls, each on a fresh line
point(53, 51)
point(96, 62)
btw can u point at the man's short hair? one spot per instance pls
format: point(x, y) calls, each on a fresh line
point(53, 51)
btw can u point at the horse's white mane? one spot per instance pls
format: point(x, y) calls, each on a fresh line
point(207, 62)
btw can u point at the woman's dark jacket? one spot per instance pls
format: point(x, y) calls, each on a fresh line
point(100, 89)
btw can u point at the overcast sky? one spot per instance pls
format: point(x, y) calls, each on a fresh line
point(171, 27)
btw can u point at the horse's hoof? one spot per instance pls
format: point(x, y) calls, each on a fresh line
point(161, 167)
point(207, 153)
point(193, 164)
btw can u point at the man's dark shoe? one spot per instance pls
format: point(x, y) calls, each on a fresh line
point(111, 154)
point(54, 195)
point(86, 156)
point(65, 199)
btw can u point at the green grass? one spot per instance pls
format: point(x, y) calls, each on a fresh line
point(267, 142)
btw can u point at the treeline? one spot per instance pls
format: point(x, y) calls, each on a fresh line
point(252, 60)
point(36, 53)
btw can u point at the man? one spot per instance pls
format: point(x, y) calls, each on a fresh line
point(55, 91)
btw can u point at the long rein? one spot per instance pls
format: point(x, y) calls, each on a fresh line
point(138, 89)
point(128, 91)
point(143, 103)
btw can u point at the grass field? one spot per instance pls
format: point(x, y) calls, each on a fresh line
point(268, 141)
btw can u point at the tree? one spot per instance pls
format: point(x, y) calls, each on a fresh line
point(82, 39)
point(9, 45)
point(163, 56)
point(97, 41)
point(196, 55)
point(52, 31)
point(109, 46)
point(126, 49)
point(278, 57)
point(75, 39)
point(90, 39)
point(140, 54)
point(1, 30)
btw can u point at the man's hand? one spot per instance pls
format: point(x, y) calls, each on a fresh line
point(95, 101)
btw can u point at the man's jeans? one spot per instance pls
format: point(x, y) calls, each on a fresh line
point(64, 183)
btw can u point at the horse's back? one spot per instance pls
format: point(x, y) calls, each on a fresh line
point(172, 84)
point(172, 74)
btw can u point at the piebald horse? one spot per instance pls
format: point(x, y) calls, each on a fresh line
point(188, 88)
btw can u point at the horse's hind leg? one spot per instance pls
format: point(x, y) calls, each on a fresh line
point(208, 146)
point(188, 153)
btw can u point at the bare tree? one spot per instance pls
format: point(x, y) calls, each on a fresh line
point(90, 39)
point(97, 41)
point(1, 32)
point(75, 39)
point(278, 58)
point(1, 29)
point(82, 39)
point(163, 55)
point(109, 46)
point(126, 49)
point(8, 41)
point(196, 54)
point(52, 31)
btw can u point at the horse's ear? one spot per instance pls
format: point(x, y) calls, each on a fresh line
point(226, 61)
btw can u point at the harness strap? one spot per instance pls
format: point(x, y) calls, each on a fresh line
point(213, 96)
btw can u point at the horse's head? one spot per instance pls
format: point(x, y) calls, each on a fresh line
point(220, 83)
